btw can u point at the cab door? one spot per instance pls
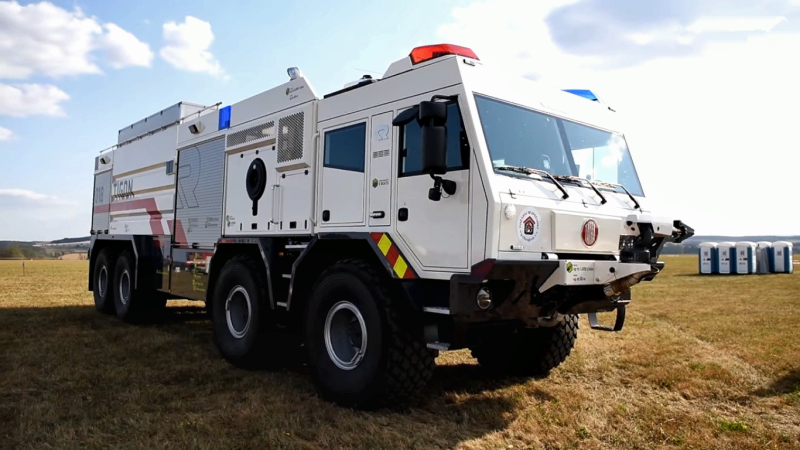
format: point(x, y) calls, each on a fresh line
point(437, 232)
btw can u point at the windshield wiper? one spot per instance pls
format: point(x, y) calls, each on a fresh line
point(614, 186)
point(581, 182)
point(530, 171)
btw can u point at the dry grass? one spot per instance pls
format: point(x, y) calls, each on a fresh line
point(704, 362)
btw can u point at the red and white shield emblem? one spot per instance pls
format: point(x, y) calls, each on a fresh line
point(589, 233)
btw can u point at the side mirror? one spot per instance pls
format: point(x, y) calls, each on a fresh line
point(432, 117)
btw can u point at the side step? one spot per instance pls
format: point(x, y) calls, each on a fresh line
point(618, 323)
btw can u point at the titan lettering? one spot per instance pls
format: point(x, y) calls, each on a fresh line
point(122, 189)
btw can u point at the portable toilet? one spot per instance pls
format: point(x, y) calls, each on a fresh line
point(745, 257)
point(708, 257)
point(725, 257)
point(763, 257)
point(782, 257)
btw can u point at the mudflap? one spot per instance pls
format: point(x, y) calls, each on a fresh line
point(618, 323)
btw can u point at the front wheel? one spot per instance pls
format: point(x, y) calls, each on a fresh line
point(528, 352)
point(366, 348)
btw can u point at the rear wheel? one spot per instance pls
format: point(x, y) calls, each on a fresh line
point(365, 347)
point(128, 302)
point(528, 352)
point(241, 315)
point(103, 281)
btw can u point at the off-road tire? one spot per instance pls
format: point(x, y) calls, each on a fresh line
point(255, 348)
point(397, 363)
point(529, 352)
point(104, 295)
point(138, 301)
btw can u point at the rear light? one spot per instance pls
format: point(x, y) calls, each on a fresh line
point(429, 52)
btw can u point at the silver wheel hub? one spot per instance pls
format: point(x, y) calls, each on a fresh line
point(102, 282)
point(345, 335)
point(238, 310)
point(125, 287)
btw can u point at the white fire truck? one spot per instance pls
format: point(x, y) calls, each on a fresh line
point(443, 206)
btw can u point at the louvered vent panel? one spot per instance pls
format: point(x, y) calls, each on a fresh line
point(290, 137)
point(253, 134)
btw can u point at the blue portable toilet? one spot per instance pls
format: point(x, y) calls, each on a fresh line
point(763, 257)
point(782, 257)
point(725, 257)
point(745, 260)
point(708, 258)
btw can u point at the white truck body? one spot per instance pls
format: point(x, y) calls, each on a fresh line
point(513, 229)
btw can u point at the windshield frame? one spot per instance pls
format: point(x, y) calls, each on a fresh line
point(564, 140)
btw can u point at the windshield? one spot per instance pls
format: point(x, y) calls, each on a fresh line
point(521, 137)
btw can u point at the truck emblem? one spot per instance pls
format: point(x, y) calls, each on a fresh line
point(374, 182)
point(589, 232)
point(569, 267)
point(528, 225)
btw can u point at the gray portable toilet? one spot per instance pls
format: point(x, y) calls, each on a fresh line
point(745, 257)
point(763, 258)
point(708, 258)
point(782, 257)
point(725, 257)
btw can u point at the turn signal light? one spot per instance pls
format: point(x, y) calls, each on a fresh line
point(429, 52)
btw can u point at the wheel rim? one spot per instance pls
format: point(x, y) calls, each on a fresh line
point(102, 281)
point(237, 312)
point(125, 287)
point(345, 335)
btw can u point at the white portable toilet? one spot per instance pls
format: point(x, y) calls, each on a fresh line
point(745, 257)
point(725, 257)
point(782, 257)
point(763, 258)
point(708, 257)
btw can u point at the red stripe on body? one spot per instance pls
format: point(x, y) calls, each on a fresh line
point(178, 231)
point(148, 204)
point(392, 255)
point(376, 237)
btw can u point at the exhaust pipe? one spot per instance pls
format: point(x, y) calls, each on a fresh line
point(624, 285)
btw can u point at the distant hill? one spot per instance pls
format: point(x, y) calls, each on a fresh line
point(72, 240)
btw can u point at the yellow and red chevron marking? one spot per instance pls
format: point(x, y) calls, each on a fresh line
point(393, 256)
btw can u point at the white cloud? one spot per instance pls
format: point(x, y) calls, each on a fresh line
point(697, 123)
point(186, 46)
point(53, 216)
point(6, 134)
point(44, 39)
point(31, 99)
point(123, 49)
point(733, 24)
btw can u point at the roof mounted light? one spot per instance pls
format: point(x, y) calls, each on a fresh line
point(585, 93)
point(294, 73)
point(429, 52)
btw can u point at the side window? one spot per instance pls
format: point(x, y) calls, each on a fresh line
point(457, 145)
point(345, 147)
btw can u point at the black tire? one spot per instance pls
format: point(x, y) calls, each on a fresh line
point(529, 352)
point(128, 302)
point(395, 362)
point(103, 281)
point(245, 342)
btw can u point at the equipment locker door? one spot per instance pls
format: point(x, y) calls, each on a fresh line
point(437, 232)
point(380, 170)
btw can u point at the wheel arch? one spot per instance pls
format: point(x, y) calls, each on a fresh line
point(322, 252)
point(146, 257)
point(226, 250)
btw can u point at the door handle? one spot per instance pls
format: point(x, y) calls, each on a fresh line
point(402, 214)
point(377, 214)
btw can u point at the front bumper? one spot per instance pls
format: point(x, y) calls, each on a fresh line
point(534, 290)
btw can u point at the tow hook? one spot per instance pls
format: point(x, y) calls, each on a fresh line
point(618, 323)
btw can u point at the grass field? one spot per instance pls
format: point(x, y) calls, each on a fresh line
point(703, 362)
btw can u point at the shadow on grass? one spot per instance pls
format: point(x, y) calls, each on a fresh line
point(787, 384)
point(66, 367)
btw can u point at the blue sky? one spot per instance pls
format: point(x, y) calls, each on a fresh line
point(703, 84)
